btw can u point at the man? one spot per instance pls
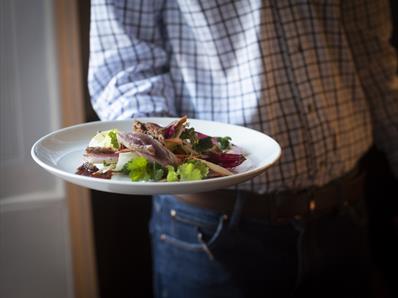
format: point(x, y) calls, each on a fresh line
point(318, 76)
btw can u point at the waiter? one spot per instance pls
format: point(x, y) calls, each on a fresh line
point(318, 76)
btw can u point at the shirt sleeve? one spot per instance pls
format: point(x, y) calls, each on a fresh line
point(368, 30)
point(128, 70)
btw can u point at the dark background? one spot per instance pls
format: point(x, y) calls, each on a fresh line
point(120, 222)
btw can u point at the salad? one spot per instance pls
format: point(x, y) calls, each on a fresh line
point(150, 152)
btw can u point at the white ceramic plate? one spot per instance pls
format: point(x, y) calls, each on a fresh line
point(61, 153)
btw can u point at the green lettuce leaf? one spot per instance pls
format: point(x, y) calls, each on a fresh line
point(171, 174)
point(225, 142)
point(203, 144)
point(112, 135)
point(137, 169)
point(188, 171)
point(155, 171)
point(140, 169)
point(190, 134)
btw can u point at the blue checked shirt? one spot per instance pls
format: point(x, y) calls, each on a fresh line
point(318, 76)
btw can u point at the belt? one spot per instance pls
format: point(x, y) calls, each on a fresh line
point(283, 206)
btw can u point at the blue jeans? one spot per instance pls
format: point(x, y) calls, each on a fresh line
point(201, 253)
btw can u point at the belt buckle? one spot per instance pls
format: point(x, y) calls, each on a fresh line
point(307, 195)
point(311, 204)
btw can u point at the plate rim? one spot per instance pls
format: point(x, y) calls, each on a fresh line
point(63, 173)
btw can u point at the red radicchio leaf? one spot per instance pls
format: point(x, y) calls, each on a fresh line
point(201, 135)
point(226, 160)
point(169, 131)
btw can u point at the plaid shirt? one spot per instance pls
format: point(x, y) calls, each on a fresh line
point(318, 76)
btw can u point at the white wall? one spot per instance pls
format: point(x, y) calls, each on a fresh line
point(35, 256)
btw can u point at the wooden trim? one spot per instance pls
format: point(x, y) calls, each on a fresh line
point(72, 103)
point(83, 253)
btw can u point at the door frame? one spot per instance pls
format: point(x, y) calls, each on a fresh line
point(71, 86)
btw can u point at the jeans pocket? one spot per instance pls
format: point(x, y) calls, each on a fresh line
point(190, 228)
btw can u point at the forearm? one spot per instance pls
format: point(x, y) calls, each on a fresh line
point(128, 69)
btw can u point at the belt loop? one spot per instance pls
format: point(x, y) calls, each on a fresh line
point(236, 215)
